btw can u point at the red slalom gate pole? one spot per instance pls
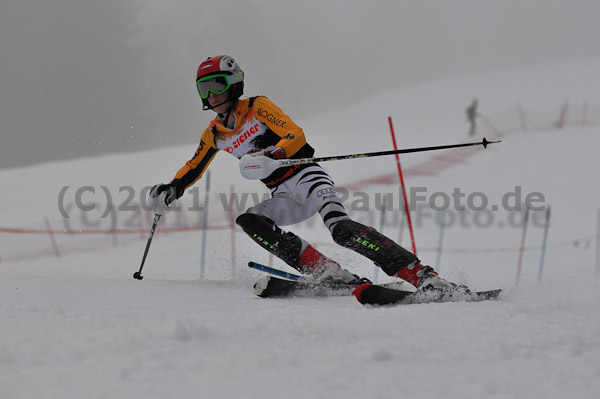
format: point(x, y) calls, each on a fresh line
point(410, 227)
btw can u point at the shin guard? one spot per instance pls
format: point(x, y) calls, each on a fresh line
point(285, 245)
point(385, 253)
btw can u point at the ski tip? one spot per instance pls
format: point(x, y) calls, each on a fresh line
point(359, 290)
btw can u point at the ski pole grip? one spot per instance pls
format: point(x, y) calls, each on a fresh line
point(158, 204)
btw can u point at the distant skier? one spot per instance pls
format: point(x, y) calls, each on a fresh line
point(256, 124)
point(472, 115)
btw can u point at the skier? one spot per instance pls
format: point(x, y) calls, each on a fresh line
point(256, 124)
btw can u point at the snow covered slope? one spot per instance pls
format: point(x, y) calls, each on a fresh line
point(80, 326)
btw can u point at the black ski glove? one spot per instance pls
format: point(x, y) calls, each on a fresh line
point(172, 190)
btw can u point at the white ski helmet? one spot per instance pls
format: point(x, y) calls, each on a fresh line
point(218, 75)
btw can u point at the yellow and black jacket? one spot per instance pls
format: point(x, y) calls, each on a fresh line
point(259, 125)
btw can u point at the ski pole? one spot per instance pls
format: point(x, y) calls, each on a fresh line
point(138, 275)
point(160, 207)
point(257, 166)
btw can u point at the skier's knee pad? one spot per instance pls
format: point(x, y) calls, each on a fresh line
point(252, 223)
point(385, 253)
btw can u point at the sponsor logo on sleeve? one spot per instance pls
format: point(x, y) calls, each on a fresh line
point(270, 117)
point(199, 149)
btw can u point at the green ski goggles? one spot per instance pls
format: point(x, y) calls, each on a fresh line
point(217, 84)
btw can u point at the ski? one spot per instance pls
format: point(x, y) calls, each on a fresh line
point(370, 294)
point(273, 271)
point(272, 285)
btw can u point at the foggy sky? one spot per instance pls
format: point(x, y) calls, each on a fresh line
point(81, 78)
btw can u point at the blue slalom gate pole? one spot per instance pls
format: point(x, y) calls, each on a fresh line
point(522, 247)
point(204, 227)
point(598, 243)
point(544, 244)
point(438, 261)
point(381, 226)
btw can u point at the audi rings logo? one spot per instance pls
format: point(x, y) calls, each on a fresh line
point(326, 191)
